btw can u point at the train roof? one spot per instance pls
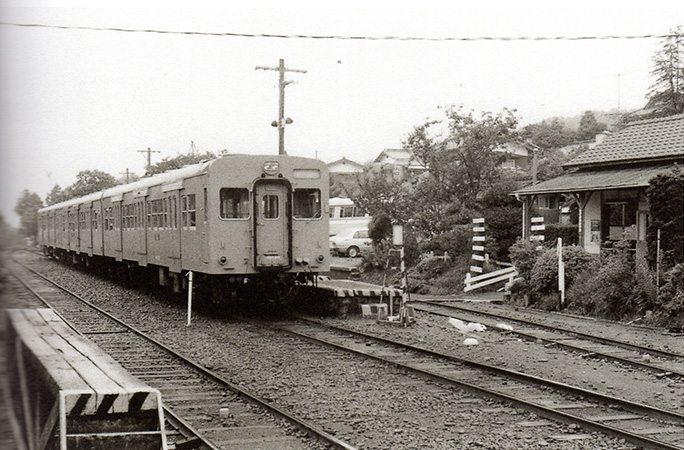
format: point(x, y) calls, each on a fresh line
point(143, 183)
point(166, 178)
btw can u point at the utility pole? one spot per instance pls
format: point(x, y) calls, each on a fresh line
point(618, 92)
point(128, 175)
point(149, 156)
point(281, 104)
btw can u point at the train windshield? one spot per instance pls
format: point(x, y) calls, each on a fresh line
point(307, 203)
point(234, 203)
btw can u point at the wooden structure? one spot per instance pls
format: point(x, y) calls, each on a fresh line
point(489, 278)
point(537, 229)
point(609, 182)
point(478, 256)
point(66, 393)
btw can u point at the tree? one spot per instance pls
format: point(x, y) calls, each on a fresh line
point(27, 208)
point(589, 127)
point(56, 195)
point(177, 162)
point(379, 193)
point(89, 181)
point(666, 204)
point(666, 95)
point(548, 135)
point(463, 162)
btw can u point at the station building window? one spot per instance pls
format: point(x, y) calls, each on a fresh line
point(233, 203)
point(307, 204)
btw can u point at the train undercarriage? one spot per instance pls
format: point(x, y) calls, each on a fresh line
point(262, 292)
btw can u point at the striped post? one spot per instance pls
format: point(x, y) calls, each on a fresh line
point(537, 230)
point(478, 245)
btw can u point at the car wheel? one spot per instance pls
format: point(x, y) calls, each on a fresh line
point(353, 252)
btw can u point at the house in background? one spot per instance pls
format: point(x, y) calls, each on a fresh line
point(516, 156)
point(345, 166)
point(609, 181)
point(344, 175)
point(402, 162)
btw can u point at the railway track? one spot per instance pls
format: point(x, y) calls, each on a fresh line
point(659, 361)
point(204, 410)
point(639, 424)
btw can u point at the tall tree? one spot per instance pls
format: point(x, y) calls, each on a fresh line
point(589, 127)
point(462, 159)
point(666, 95)
point(380, 193)
point(56, 195)
point(548, 135)
point(89, 181)
point(27, 208)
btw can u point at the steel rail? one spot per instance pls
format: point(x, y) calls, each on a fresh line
point(301, 424)
point(541, 410)
point(549, 341)
point(579, 334)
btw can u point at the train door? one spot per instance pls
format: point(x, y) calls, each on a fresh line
point(272, 227)
point(173, 243)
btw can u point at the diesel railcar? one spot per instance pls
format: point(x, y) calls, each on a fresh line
point(237, 222)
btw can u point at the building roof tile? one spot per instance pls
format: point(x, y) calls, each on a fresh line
point(652, 139)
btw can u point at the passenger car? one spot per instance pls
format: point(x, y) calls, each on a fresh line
point(350, 242)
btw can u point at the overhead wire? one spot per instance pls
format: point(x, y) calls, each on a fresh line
point(341, 37)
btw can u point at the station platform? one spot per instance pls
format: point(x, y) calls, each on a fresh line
point(66, 393)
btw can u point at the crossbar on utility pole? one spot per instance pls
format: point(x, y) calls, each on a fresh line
point(149, 156)
point(281, 103)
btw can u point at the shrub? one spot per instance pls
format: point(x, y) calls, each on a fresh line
point(456, 241)
point(544, 274)
point(611, 290)
point(568, 232)
point(670, 311)
point(383, 254)
point(380, 227)
point(523, 254)
point(504, 226)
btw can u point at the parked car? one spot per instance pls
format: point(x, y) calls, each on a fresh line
point(350, 242)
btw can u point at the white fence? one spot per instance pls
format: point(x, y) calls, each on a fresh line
point(472, 283)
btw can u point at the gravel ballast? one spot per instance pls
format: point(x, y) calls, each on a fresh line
point(369, 404)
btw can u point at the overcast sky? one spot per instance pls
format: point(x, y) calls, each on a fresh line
point(73, 100)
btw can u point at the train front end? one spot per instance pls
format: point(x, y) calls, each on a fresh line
point(271, 216)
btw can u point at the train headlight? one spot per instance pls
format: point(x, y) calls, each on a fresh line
point(271, 167)
point(320, 258)
point(223, 260)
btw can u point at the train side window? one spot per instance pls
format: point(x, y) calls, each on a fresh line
point(234, 203)
point(307, 203)
point(270, 206)
point(189, 211)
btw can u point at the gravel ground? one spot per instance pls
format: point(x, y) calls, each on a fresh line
point(369, 404)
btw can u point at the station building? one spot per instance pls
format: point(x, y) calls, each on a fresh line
point(608, 182)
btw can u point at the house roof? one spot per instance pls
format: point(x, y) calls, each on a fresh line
point(645, 140)
point(399, 157)
point(513, 149)
point(597, 180)
point(345, 165)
